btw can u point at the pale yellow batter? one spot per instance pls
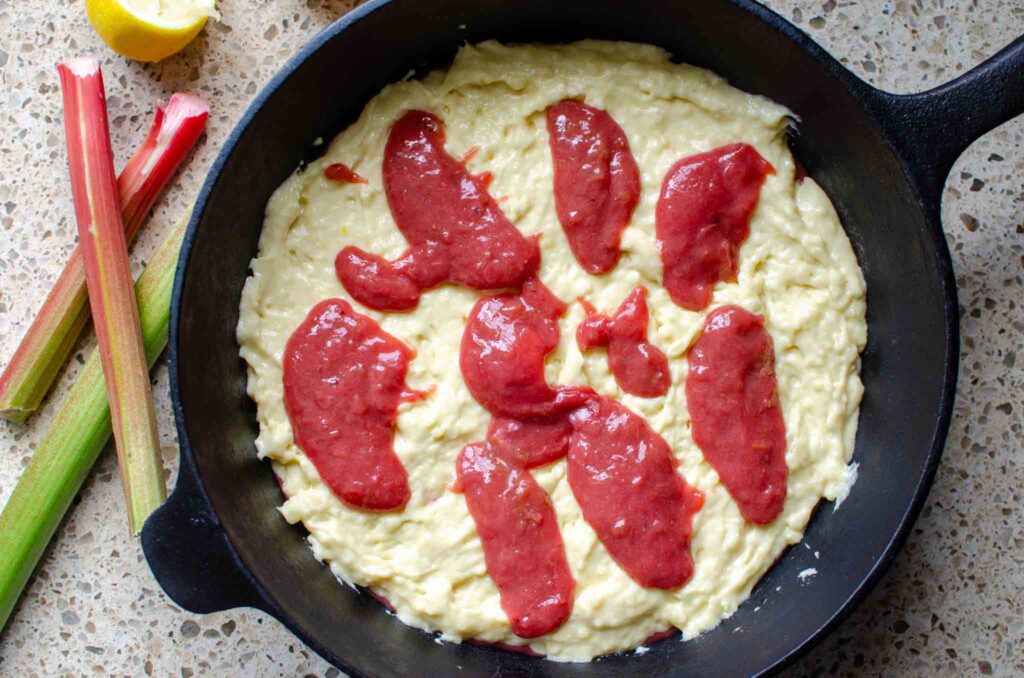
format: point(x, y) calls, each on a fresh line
point(797, 269)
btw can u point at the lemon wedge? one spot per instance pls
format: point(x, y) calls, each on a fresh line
point(149, 30)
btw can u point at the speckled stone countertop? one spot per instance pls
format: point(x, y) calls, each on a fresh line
point(951, 604)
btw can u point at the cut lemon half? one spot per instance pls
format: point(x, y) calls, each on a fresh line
point(149, 30)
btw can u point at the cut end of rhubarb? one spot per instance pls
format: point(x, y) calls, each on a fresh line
point(187, 105)
point(16, 416)
point(80, 66)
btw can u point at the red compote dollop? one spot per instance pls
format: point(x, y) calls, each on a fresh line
point(732, 395)
point(455, 229)
point(597, 183)
point(344, 378)
point(702, 218)
point(640, 367)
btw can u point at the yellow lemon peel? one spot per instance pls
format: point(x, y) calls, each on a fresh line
point(149, 30)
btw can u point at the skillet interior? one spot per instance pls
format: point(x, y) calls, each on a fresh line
point(907, 371)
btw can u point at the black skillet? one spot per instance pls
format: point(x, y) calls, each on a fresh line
point(219, 543)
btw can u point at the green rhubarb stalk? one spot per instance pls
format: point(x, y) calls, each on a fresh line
point(48, 342)
point(115, 314)
point(77, 434)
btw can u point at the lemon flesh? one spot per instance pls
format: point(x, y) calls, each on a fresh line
point(148, 30)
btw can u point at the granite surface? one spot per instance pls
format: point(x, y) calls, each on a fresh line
point(951, 604)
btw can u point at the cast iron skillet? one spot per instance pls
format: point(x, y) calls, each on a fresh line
point(219, 543)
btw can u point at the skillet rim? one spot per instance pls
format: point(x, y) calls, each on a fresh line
point(871, 99)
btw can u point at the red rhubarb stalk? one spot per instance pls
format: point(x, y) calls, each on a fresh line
point(53, 334)
point(115, 315)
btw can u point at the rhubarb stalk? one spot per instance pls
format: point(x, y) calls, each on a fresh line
point(77, 434)
point(53, 334)
point(115, 315)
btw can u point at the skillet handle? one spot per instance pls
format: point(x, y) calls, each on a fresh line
point(190, 555)
point(933, 128)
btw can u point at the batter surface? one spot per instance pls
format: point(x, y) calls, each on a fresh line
point(797, 269)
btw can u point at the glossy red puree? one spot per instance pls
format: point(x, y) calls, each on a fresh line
point(702, 218)
point(660, 635)
point(344, 378)
point(522, 543)
point(733, 399)
point(597, 183)
point(455, 229)
point(624, 478)
point(504, 345)
point(339, 171)
point(639, 366)
point(530, 443)
point(621, 471)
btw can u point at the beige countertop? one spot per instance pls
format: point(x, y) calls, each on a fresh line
point(952, 603)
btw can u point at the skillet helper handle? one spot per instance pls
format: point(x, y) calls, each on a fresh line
point(189, 553)
point(933, 128)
